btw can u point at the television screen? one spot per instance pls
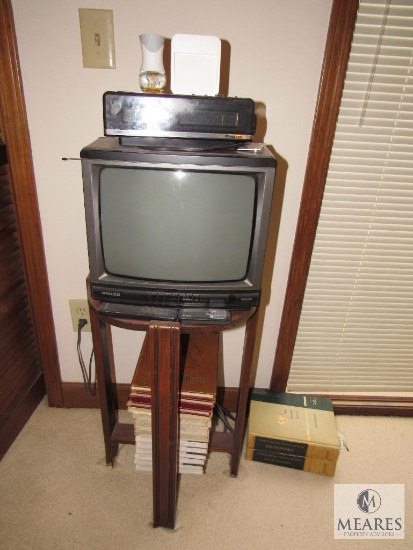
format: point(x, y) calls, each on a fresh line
point(176, 225)
point(176, 228)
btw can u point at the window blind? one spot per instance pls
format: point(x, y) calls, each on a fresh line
point(356, 327)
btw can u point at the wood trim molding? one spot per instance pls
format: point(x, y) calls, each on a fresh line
point(14, 423)
point(372, 406)
point(16, 136)
point(337, 51)
point(75, 396)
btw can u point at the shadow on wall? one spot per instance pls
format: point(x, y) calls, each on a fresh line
point(273, 231)
point(277, 201)
point(225, 67)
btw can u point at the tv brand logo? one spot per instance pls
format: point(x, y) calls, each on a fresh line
point(368, 512)
point(106, 293)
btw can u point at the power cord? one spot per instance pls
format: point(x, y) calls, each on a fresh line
point(223, 414)
point(87, 374)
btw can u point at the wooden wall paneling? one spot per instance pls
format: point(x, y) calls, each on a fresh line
point(23, 188)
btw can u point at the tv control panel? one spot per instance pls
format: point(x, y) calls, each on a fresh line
point(170, 299)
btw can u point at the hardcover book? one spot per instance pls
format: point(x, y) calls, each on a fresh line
point(192, 456)
point(199, 359)
point(313, 465)
point(293, 428)
point(198, 381)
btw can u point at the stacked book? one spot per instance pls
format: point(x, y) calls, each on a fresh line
point(198, 382)
point(293, 430)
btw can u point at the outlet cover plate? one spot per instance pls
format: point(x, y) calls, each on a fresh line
point(79, 309)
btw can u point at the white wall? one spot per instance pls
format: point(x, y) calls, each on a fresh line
point(276, 56)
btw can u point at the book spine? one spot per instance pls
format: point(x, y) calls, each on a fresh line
point(293, 399)
point(296, 448)
point(313, 465)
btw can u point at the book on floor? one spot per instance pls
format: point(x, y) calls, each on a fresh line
point(293, 430)
point(314, 465)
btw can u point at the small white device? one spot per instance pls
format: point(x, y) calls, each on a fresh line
point(195, 64)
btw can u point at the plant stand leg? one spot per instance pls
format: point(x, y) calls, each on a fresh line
point(164, 345)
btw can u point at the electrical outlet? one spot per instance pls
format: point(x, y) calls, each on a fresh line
point(79, 309)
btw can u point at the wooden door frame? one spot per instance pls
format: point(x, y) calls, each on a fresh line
point(17, 139)
point(336, 56)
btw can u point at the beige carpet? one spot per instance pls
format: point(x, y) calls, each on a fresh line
point(56, 492)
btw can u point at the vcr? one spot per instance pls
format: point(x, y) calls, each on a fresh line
point(139, 115)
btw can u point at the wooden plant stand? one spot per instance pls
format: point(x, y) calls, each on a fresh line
point(164, 353)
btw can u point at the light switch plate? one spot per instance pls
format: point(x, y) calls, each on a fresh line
point(98, 40)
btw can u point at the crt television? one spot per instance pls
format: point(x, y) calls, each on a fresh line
point(173, 228)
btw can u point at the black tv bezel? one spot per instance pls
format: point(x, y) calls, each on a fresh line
point(235, 295)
